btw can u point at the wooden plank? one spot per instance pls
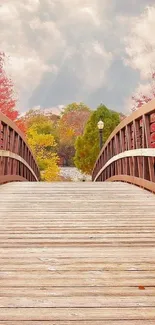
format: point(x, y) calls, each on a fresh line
point(83, 256)
point(77, 302)
point(50, 273)
point(108, 253)
point(94, 322)
point(25, 265)
point(74, 314)
point(128, 237)
point(75, 291)
point(90, 282)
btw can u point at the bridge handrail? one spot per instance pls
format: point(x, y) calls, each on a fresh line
point(17, 162)
point(135, 132)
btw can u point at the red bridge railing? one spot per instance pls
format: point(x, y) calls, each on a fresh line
point(129, 153)
point(17, 162)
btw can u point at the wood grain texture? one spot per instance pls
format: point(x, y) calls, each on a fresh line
point(76, 253)
point(102, 322)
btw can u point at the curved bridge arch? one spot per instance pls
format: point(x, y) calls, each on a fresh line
point(17, 162)
point(129, 153)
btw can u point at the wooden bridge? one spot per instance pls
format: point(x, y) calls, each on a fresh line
point(80, 253)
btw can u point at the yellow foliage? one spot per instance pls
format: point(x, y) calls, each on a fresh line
point(42, 143)
point(39, 141)
point(51, 173)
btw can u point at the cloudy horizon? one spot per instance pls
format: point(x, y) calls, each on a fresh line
point(94, 51)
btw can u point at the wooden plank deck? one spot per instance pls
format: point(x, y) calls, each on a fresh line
point(77, 254)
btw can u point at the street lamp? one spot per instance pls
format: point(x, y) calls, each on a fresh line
point(101, 127)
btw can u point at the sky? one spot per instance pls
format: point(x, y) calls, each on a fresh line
point(94, 51)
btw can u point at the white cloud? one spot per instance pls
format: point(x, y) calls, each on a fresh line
point(29, 42)
point(96, 62)
point(140, 50)
point(69, 46)
point(140, 43)
point(39, 36)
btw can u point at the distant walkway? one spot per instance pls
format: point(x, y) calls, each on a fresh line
point(74, 174)
point(77, 254)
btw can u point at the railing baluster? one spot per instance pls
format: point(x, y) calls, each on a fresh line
point(146, 121)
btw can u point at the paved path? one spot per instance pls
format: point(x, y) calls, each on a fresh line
point(77, 254)
point(74, 174)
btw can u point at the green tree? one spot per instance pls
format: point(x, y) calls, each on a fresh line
point(87, 145)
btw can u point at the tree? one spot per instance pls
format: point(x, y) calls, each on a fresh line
point(71, 125)
point(87, 145)
point(75, 107)
point(42, 143)
point(7, 99)
point(36, 115)
point(21, 125)
point(75, 121)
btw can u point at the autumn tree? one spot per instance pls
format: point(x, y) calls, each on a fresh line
point(36, 115)
point(87, 145)
point(7, 98)
point(21, 125)
point(42, 143)
point(75, 107)
point(71, 125)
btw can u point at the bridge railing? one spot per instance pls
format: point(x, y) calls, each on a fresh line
point(129, 153)
point(17, 162)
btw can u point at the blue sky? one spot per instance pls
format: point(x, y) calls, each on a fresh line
point(95, 51)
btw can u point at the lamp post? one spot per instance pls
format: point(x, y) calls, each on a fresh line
point(100, 127)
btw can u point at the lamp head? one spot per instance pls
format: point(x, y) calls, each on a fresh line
point(100, 125)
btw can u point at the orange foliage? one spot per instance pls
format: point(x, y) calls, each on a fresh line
point(72, 125)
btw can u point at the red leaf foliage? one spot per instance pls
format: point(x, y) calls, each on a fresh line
point(7, 100)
